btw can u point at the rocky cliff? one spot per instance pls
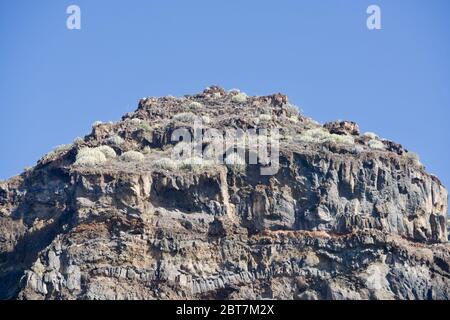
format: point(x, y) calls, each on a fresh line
point(115, 216)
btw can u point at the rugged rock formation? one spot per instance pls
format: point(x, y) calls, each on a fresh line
point(346, 216)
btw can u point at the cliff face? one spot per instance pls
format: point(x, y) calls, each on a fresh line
point(345, 216)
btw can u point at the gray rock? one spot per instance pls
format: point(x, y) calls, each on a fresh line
point(332, 223)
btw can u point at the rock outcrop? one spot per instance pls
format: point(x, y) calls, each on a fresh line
point(345, 216)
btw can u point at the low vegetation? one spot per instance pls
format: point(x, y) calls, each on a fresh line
point(115, 140)
point(376, 144)
point(188, 164)
point(193, 163)
point(414, 157)
point(194, 105)
point(293, 119)
point(57, 151)
point(140, 124)
point(132, 156)
point(166, 164)
point(206, 119)
point(135, 121)
point(185, 117)
point(107, 151)
point(265, 117)
point(240, 97)
point(78, 140)
point(90, 157)
point(371, 135)
point(235, 162)
point(321, 135)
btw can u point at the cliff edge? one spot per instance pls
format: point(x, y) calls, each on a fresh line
point(115, 215)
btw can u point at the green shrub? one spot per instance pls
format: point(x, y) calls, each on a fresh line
point(371, 135)
point(89, 157)
point(132, 156)
point(78, 140)
point(63, 148)
point(145, 126)
point(235, 162)
point(185, 117)
point(194, 105)
point(115, 140)
point(293, 110)
point(358, 149)
point(96, 123)
point(321, 135)
point(140, 124)
point(58, 150)
point(166, 164)
point(239, 97)
point(135, 121)
point(343, 139)
point(192, 163)
point(107, 151)
point(293, 119)
point(414, 157)
point(376, 144)
point(316, 135)
point(147, 150)
point(265, 117)
point(27, 169)
point(206, 119)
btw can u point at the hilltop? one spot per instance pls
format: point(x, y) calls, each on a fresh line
point(331, 213)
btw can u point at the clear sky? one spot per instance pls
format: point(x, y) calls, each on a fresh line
point(55, 82)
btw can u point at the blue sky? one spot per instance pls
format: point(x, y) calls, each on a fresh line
point(54, 82)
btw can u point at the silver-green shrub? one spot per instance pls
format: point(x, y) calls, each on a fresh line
point(90, 157)
point(107, 151)
point(239, 97)
point(132, 156)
